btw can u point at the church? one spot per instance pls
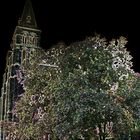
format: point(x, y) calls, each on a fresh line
point(26, 38)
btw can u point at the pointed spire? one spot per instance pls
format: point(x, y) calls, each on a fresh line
point(28, 18)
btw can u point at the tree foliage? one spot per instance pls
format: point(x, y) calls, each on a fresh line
point(92, 93)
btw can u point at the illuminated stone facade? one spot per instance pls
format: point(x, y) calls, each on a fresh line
point(26, 39)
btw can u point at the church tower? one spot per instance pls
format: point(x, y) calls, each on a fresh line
point(26, 39)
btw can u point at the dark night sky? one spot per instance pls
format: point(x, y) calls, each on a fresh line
point(73, 21)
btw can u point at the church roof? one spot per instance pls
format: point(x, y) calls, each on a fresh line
point(28, 17)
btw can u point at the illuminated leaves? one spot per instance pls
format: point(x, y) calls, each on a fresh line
point(87, 95)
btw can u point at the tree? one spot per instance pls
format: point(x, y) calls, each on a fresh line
point(96, 80)
point(91, 93)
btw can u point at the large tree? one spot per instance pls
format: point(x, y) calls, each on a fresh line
point(85, 90)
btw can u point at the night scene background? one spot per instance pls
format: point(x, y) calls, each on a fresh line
point(71, 21)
